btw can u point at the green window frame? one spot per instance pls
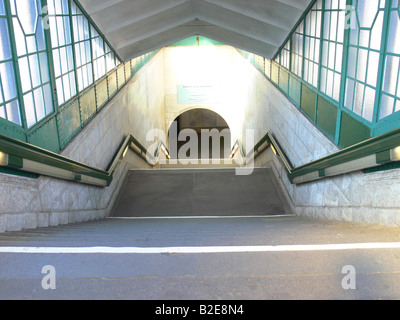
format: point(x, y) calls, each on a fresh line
point(83, 50)
point(298, 50)
point(390, 97)
point(284, 57)
point(312, 44)
point(32, 59)
point(62, 49)
point(9, 103)
point(365, 50)
point(99, 58)
point(111, 60)
point(334, 22)
point(351, 58)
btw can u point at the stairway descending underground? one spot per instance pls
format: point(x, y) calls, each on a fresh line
point(200, 193)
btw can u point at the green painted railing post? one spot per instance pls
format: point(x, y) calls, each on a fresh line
point(50, 59)
point(381, 69)
point(346, 48)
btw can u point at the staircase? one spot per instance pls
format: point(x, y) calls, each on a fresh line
point(200, 193)
point(200, 164)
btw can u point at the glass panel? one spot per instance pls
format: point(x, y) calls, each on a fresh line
point(48, 101)
point(39, 103)
point(34, 70)
point(5, 47)
point(2, 8)
point(8, 81)
point(19, 38)
point(29, 109)
point(369, 103)
point(3, 112)
point(386, 106)
point(297, 50)
point(366, 12)
point(27, 13)
point(373, 64)
point(394, 33)
point(13, 112)
point(24, 70)
point(391, 74)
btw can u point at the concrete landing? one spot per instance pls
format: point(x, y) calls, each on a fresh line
point(191, 192)
point(139, 259)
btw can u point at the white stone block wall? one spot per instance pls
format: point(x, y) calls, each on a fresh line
point(33, 203)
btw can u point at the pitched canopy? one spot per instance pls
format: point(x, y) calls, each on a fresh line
point(135, 27)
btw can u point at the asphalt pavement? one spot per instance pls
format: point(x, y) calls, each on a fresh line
point(202, 258)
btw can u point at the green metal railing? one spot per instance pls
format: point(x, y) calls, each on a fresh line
point(379, 152)
point(19, 156)
point(23, 157)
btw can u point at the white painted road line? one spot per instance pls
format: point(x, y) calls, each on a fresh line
point(201, 217)
point(199, 250)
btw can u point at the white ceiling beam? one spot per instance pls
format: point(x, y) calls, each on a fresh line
point(270, 12)
point(238, 23)
point(125, 13)
point(92, 7)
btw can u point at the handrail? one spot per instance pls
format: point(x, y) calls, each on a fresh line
point(21, 156)
point(238, 147)
point(374, 152)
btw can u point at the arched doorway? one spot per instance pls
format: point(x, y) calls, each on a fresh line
point(199, 134)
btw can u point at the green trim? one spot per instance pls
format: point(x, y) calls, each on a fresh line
point(382, 58)
point(21, 150)
point(13, 172)
point(383, 157)
point(193, 42)
point(385, 167)
point(15, 162)
point(18, 151)
point(379, 146)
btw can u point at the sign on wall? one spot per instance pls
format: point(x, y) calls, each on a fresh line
point(198, 94)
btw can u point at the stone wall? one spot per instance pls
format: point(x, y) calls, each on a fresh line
point(137, 108)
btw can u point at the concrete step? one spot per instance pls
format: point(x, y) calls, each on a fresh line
point(200, 164)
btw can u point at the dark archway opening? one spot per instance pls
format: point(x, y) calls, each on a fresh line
point(199, 134)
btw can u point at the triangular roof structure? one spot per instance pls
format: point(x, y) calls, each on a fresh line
point(135, 27)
